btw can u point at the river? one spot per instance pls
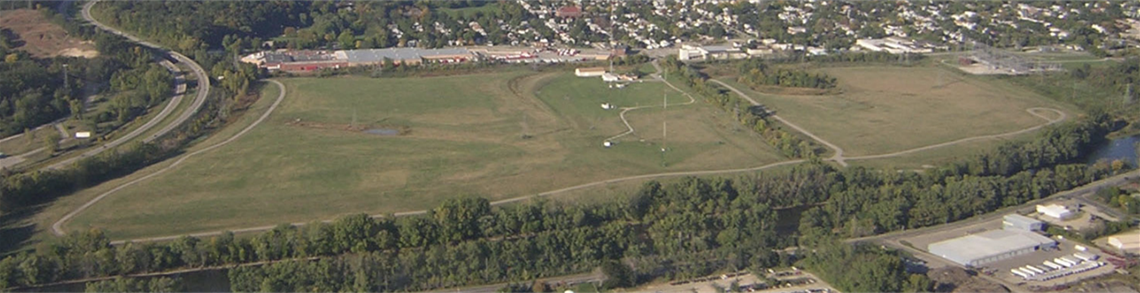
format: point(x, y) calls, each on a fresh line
point(1123, 148)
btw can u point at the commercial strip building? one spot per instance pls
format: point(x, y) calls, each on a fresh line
point(309, 60)
point(978, 249)
point(895, 45)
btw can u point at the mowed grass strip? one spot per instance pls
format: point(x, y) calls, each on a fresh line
point(889, 109)
point(466, 138)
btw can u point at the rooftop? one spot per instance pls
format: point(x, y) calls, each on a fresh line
point(1019, 219)
point(989, 243)
point(396, 54)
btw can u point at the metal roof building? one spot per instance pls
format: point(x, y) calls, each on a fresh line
point(1055, 211)
point(1128, 242)
point(977, 249)
point(1019, 222)
point(399, 55)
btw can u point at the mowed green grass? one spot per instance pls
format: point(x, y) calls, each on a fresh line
point(889, 109)
point(466, 139)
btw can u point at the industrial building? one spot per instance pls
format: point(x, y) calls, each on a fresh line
point(688, 52)
point(309, 60)
point(977, 249)
point(1023, 223)
point(1056, 211)
point(590, 71)
point(1126, 242)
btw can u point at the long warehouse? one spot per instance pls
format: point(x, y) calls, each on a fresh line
point(977, 249)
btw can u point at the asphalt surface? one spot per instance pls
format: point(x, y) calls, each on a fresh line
point(170, 106)
point(200, 99)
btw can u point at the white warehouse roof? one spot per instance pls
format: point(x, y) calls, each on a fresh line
point(968, 249)
point(1054, 210)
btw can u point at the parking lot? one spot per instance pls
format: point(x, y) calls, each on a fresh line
point(790, 281)
point(1001, 269)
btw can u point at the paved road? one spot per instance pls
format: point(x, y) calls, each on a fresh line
point(15, 159)
point(199, 99)
point(894, 239)
point(57, 227)
point(595, 277)
point(177, 99)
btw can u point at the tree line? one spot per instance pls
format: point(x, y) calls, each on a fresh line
point(756, 73)
point(692, 227)
point(753, 117)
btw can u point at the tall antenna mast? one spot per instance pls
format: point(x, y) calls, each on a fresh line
point(66, 84)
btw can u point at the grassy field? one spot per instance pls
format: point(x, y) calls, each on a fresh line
point(889, 109)
point(25, 144)
point(464, 136)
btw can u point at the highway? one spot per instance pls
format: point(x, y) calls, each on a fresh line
point(203, 91)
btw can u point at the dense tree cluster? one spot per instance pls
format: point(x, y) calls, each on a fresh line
point(34, 91)
point(754, 117)
point(864, 268)
point(1120, 199)
point(160, 284)
point(21, 190)
point(756, 73)
point(326, 24)
point(689, 228)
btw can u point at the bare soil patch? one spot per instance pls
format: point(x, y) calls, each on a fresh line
point(44, 39)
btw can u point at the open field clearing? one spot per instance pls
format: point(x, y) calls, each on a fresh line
point(41, 38)
point(358, 145)
point(889, 109)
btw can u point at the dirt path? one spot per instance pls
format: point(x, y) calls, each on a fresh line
point(841, 160)
point(1034, 111)
point(838, 158)
point(57, 227)
point(656, 77)
point(838, 152)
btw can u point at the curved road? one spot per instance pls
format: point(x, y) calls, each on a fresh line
point(57, 227)
point(202, 93)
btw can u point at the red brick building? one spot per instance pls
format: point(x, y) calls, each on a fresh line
point(568, 12)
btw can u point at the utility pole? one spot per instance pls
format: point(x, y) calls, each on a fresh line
point(664, 124)
point(66, 84)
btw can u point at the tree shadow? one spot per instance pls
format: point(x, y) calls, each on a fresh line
point(16, 231)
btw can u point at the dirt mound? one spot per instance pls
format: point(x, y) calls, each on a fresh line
point(41, 38)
